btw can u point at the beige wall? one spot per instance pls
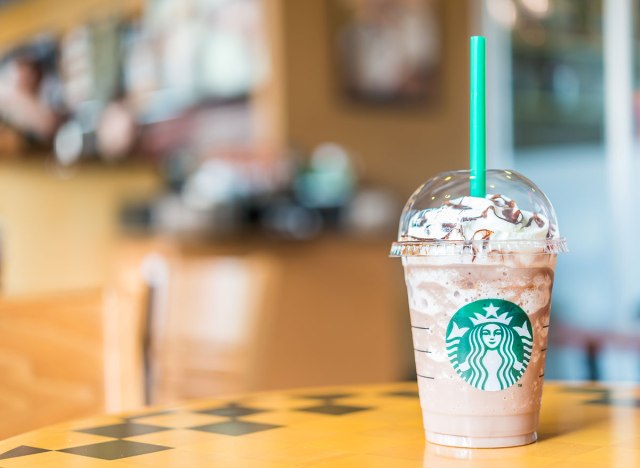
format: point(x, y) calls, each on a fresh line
point(58, 227)
point(399, 148)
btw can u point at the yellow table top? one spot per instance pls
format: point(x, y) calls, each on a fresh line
point(367, 426)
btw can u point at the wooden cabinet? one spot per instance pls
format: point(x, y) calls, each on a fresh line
point(260, 315)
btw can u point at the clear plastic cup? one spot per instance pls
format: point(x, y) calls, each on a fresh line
point(480, 318)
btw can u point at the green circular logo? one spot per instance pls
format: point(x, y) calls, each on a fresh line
point(489, 343)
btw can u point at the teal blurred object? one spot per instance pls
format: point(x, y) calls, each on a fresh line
point(330, 180)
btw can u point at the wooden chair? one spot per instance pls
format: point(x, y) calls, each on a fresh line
point(68, 355)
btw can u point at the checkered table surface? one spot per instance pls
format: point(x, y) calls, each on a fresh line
point(362, 426)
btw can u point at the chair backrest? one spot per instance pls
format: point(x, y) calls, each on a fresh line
point(65, 356)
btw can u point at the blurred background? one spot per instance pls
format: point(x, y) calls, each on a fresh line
point(198, 196)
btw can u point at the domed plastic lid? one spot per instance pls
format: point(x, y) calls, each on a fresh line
point(440, 218)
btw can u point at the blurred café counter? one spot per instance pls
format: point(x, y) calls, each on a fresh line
point(159, 317)
point(197, 197)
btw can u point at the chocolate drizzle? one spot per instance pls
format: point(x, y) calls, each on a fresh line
point(458, 206)
point(457, 229)
point(483, 234)
point(509, 211)
point(472, 219)
point(535, 219)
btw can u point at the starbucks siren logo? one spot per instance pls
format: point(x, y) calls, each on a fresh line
point(489, 343)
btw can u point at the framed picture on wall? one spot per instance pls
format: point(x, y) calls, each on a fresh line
point(387, 52)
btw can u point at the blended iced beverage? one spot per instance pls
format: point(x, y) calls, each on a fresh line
point(479, 274)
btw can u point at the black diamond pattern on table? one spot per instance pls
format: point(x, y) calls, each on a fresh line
point(605, 396)
point(122, 448)
point(329, 405)
point(21, 452)
point(232, 410)
point(235, 427)
point(405, 393)
point(587, 390)
point(334, 410)
point(115, 449)
point(123, 430)
point(621, 402)
point(327, 396)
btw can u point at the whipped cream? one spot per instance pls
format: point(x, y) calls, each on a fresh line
point(495, 217)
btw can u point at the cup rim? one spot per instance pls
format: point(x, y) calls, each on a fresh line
point(439, 247)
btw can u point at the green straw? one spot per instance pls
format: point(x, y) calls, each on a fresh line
point(477, 154)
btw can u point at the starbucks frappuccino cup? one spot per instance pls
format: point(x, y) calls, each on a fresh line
point(479, 273)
